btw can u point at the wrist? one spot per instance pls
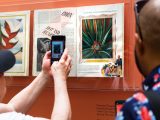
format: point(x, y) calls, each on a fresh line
point(60, 81)
point(44, 75)
point(60, 86)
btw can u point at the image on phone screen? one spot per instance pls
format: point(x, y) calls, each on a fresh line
point(57, 47)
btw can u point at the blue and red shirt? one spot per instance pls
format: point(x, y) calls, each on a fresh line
point(137, 107)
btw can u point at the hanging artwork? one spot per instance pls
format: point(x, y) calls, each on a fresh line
point(100, 41)
point(94, 37)
point(97, 41)
point(14, 36)
point(48, 22)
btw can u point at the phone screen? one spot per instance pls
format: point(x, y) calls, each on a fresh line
point(57, 47)
point(118, 105)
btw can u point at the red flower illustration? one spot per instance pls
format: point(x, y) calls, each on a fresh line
point(6, 39)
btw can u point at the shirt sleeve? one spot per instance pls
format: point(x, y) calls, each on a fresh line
point(125, 113)
point(15, 116)
point(136, 108)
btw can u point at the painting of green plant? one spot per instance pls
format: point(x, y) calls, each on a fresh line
point(97, 41)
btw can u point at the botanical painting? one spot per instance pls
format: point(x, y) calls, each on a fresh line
point(14, 34)
point(97, 42)
point(100, 41)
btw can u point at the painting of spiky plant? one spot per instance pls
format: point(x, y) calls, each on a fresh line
point(97, 41)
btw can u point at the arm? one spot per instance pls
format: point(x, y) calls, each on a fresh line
point(25, 98)
point(60, 70)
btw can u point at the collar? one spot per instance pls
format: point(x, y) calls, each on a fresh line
point(152, 79)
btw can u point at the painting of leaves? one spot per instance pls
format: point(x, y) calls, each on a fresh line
point(9, 39)
point(97, 42)
point(14, 36)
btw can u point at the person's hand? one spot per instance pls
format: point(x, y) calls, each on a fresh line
point(46, 64)
point(60, 69)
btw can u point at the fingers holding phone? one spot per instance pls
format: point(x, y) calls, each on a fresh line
point(60, 60)
point(61, 68)
point(46, 67)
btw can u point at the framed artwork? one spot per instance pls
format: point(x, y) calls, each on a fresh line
point(100, 41)
point(48, 22)
point(98, 38)
point(14, 29)
point(94, 38)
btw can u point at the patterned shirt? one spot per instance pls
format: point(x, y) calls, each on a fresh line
point(16, 116)
point(137, 107)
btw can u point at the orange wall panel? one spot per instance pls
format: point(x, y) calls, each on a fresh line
point(86, 105)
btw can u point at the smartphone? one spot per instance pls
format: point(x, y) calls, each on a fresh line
point(57, 47)
point(118, 105)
